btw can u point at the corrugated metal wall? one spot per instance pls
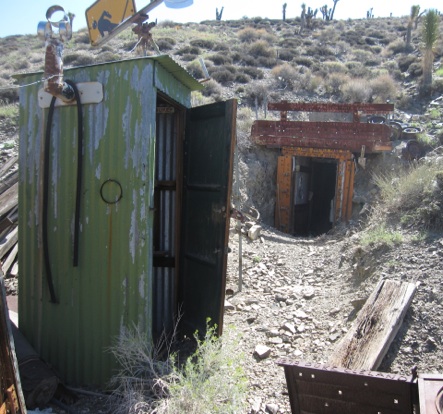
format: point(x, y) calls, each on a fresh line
point(165, 277)
point(111, 290)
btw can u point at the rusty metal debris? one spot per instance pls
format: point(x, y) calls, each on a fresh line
point(316, 388)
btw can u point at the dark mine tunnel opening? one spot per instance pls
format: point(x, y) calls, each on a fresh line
point(314, 195)
point(323, 181)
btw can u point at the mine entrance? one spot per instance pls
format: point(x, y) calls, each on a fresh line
point(324, 177)
point(314, 190)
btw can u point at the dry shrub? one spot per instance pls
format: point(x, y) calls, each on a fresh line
point(396, 46)
point(304, 61)
point(285, 75)
point(362, 55)
point(254, 73)
point(212, 89)
point(248, 34)
point(334, 67)
point(261, 48)
point(220, 59)
point(188, 50)
point(405, 61)
point(195, 69)
point(223, 76)
point(256, 93)
point(357, 69)
point(165, 44)
point(80, 58)
point(335, 81)
point(356, 90)
point(287, 54)
point(383, 88)
point(245, 118)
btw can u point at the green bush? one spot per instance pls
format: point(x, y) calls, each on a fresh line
point(188, 50)
point(222, 76)
point(165, 43)
point(380, 234)
point(242, 78)
point(414, 196)
point(202, 43)
point(220, 59)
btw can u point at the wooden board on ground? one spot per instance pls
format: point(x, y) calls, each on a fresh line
point(367, 342)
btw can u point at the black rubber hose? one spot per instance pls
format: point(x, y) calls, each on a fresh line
point(79, 172)
point(46, 202)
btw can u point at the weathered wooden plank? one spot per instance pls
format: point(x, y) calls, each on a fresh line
point(8, 182)
point(365, 345)
point(10, 259)
point(4, 168)
point(8, 242)
point(8, 199)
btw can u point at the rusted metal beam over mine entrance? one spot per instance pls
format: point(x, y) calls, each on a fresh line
point(347, 135)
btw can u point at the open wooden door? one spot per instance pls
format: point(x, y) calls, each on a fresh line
point(207, 181)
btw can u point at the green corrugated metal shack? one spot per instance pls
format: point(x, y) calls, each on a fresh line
point(152, 212)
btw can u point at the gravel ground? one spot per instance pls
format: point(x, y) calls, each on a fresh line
point(300, 296)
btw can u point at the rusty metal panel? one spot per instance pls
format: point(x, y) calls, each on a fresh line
point(349, 136)
point(430, 390)
point(366, 108)
point(317, 153)
point(111, 289)
point(320, 389)
point(284, 187)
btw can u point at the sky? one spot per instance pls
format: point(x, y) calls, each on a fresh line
point(23, 17)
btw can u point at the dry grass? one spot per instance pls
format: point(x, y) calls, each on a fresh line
point(211, 380)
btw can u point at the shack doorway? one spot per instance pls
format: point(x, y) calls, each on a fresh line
point(314, 191)
point(193, 161)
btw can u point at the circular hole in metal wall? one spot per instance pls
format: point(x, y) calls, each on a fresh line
point(111, 191)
